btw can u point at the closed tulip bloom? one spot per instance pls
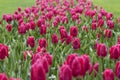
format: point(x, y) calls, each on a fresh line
point(108, 33)
point(54, 39)
point(73, 31)
point(3, 51)
point(109, 16)
point(65, 73)
point(108, 74)
point(32, 25)
point(22, 29)
point(100, 23)
point(38, 71)
point(48, 57)
point(63, 33)
point(84, 65)
point(43, 29)
point(27, 25)
point(101, 50)
point(76, 43)
point(87, 61)
point(70, 59)
point(3, 76)
point(114, 52)
point(96, 68)
point(94, 26)
point(68, 39)
point(9, 27)
point(117, 70)
point(42, 43)
point(35, 57)
point(8, 18)
point(31, 41)
point(76, 67)
point(41, 22)
point(45, 64)
point(19, 9)
point(110, 24)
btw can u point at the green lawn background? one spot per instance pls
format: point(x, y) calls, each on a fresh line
point(109, 5)
point(9, 6)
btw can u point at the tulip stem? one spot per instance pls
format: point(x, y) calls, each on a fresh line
point(102, 64)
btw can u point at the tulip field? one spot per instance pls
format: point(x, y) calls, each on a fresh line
point(59, 40)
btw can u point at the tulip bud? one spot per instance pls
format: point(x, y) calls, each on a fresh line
point(76, 43)
point(108, 33)
point(31, 41)
point(101, 50)
point(43, 29)
point(96, 68)
point(42, 43)
point(94, 26)
point(54, 39)
point(100, 23)
point(68, 39)
point(87, 61)
point(63, 33)
point(32, 25)
point(38, 71)
point(22, 29)
point(3, 51)
point(117, 70)
point(65, 73)
point(108, 74)
point(19, 9)
point(3, 76)
point(110, 24)
point(9, 27)
point(114, 52)
point(70, 59)
point(76, 67)
point(73, 31)
point(48, 57)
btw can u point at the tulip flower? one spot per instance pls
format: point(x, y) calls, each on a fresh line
point(114, 52)
point(42, 43)
point(3, 76)
point(117, 70)
point(31, 41)
point(108, 74)
point(76, 43)
point(9, 27)
point(73, 31)
point(3, 51)
point(108, 33)
point(101, 50)
point(54, 39)
point(38, 71)
point(65, 73)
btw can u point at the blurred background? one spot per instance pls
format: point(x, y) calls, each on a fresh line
point(9, 6)
point(109, 5)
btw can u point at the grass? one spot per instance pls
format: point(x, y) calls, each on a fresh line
point(110, 5)
point(9, 6)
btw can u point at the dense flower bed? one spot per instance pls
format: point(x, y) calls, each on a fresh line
point(60, 40)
